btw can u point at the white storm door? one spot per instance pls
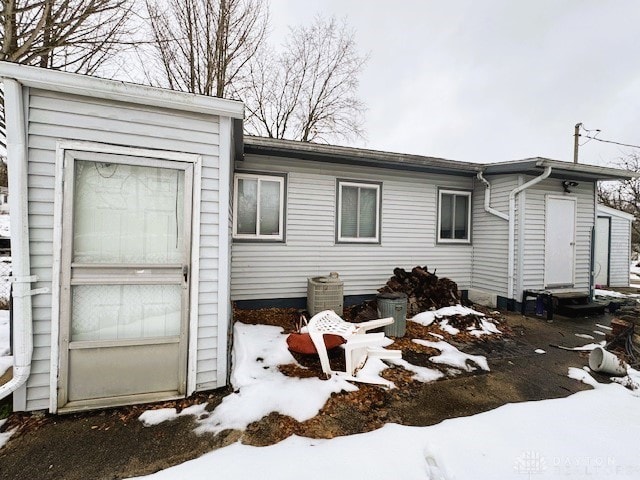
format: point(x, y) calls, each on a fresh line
point(124, 279)
point(601, 267)
point(560, 241)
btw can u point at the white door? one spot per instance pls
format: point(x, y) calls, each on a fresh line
point(560, 241)
point(601, 266)
point(124, 279)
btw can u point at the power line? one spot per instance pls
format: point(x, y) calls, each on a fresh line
point(611, 141)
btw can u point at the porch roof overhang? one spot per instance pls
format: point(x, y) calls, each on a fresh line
point(356, 156)
point(73, 83)
point(559, 169)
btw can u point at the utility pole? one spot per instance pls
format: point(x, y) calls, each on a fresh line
point(576, 137)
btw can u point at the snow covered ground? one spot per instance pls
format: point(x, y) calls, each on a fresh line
point(634, 276)
point(598, 292)
point(589, 434)
point(4, 226)
point(261, 388)
point(592, 434)
point(5, 359)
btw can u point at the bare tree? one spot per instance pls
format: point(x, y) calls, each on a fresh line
point(625, 195)
point(308, 92)
point(203, 46)
point(73, 35)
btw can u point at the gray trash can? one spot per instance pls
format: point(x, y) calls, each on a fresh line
point(394, 305)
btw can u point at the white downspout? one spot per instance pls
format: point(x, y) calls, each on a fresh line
point(17, 173)
point(512, 225)
point(487, 199)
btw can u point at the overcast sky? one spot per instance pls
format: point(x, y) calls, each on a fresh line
point(491, 80)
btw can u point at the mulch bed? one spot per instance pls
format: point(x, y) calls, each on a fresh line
point(369, 407)
point(344, 413)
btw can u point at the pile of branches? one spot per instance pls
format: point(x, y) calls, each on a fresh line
point(425, 291)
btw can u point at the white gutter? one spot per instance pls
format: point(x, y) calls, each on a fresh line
point(17, 172)
point(487, 199)
point(512, 224)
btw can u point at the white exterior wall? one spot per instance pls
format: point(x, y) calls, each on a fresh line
point(620, 252)
point(491, 235)
point(54, 117)
point(408, 234)
point(619, 248)
point(532, 260)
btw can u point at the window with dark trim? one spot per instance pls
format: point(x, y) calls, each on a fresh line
point(358, 212)
point(454, 216)
point(258, 206)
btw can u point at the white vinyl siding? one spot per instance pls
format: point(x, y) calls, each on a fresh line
point(620, 246)
point(54, 117)
point(533, 246)
point(620, 252)
point(408, 233)
point(491, 235)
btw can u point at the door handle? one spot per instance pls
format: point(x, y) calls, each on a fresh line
point(185, 273)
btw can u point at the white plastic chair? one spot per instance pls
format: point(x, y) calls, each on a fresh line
point(359, 346)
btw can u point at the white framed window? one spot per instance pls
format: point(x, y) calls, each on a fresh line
point(258, 206)
point(358, 212)
point(454, 216)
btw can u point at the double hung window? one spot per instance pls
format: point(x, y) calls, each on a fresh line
point(258, 207)
point(358, 212)
point(454, 216)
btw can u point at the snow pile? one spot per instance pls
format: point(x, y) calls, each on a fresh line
point(634, 270)
point(585, 336)
point(5, 436)
point(450, 355)
point(486, 328)
point(613, 294)
point(421, 374)
point(4, 226)
point(588, 347)
point(533, 442)
point(150, 418)
point(6, 361)
point(427, 318)
point(260, 388)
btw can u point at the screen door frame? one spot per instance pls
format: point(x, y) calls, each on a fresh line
point(67, 152)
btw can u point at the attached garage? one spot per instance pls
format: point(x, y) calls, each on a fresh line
point(121, 256)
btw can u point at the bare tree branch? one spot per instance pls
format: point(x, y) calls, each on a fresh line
point(625, 195)
point(75, 35)
point(308, 91)
point(203, 46)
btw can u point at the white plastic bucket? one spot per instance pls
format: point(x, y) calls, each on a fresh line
point(606, 362)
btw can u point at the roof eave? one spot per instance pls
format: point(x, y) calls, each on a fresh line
point(84, 85)
point(575, 171)
point(355, 156)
